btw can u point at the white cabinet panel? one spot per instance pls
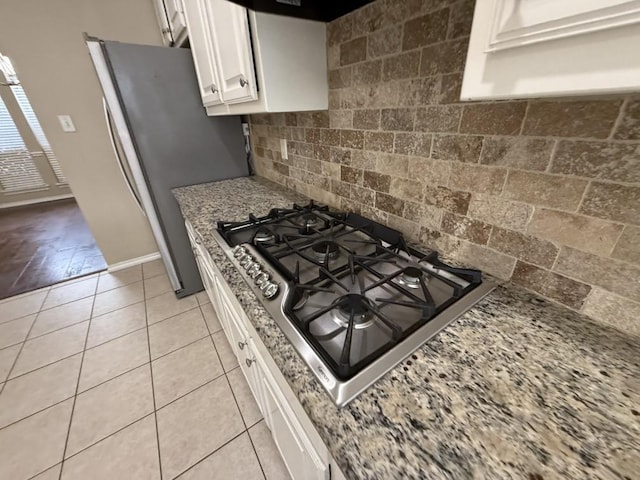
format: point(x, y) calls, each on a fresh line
point(203, 52)
point(537, 48)
point(229, 26)
point(176, 19)
point(297, 452)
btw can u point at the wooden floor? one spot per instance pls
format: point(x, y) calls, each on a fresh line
point(45, 244)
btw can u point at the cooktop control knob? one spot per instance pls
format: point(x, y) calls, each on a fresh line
point(249, 265)
point(254, 270)
point(261, 279)
point(270, 290)
point(245, 260)
point(238, 251)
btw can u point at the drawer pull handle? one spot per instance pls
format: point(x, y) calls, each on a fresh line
point(241, 345)
point(243, 82)
point(249, 361)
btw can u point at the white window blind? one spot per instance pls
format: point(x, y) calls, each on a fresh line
point(30, 115)
point(18, 171)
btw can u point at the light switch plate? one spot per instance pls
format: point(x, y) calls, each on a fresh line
point(283, 148)
point(66, 123)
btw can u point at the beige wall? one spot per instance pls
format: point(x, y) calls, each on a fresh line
point(44, 40)
point(544, 193)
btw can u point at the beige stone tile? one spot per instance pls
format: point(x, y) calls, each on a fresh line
point(268, 454)
point(612, 201)
point(227, 357)
point(15, 331)
point(203, 298)
point(176, 332)
point(487, 260)
point(612, 275)
point(498, 118)
point(185, 369)
point(120, 278)
point(51, 347)
point(628, 246)
point(478, 179)
point(109, 407)
point(39, 389)
point(69, 292)
point(236, 460)
point(558, 287)
point(157, 285)
point(117, 298)
point(586, 233)
point(117, 323)
point(151, 269)
point(547, 190)
point(35, 443)
point(110, 359)
point(62, 316)
point(613, 309)
point(498, 211)
point(211, 317)
point(524, 247)
point(52, 473)
point(7, 357)
point(571, 118)
point(190, 428)
point(167, 305)
point(244, 396)
point(617, 162)
point(21, 306)
point(517, 152)
point(132, 453)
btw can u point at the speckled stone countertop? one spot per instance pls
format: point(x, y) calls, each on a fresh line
point(516, 388)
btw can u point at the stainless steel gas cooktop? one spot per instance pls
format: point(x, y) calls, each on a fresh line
point(350, 295)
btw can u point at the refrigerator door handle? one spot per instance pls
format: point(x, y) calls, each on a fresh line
point(124, 173)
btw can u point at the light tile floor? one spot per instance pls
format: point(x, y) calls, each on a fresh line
point(111, 377)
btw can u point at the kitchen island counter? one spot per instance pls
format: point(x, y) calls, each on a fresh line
point(517, 387)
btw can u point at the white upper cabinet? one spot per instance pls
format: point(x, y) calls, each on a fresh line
point(203, 54)
point(538, 48)
point(172, 21)
point(232, 40)
point(259, 62)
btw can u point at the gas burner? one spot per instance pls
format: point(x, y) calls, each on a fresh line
point(410, 277)
point(324, 249)
point(307, 220)
point(357, 305)
point(264, 236)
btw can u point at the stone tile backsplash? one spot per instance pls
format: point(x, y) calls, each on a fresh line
point(545, 193)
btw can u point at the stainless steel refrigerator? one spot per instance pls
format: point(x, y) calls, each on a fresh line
point(163, 139)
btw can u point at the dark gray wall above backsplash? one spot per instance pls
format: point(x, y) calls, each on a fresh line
point(543, 192)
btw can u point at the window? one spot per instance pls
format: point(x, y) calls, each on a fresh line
point(20, 165)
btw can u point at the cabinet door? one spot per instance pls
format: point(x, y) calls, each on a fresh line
point(296, 449)
point(203, 52)
point(232, 40)
point(176, 18)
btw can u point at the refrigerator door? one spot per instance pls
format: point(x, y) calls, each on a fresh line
point(168, 141)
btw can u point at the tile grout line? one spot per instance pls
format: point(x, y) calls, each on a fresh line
point(153, 388)
point(75, 397)
point(246, 429)
point(15, 360)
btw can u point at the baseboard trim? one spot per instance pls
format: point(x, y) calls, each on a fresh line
point(133, 262)
point(22, 203)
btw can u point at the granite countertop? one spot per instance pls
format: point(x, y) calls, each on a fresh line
point(515, 388)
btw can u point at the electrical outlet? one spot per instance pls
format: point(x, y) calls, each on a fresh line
point(245, 129)
point(66, 123)
point(283, 149)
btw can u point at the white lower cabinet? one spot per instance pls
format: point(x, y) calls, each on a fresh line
point(302, 449)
